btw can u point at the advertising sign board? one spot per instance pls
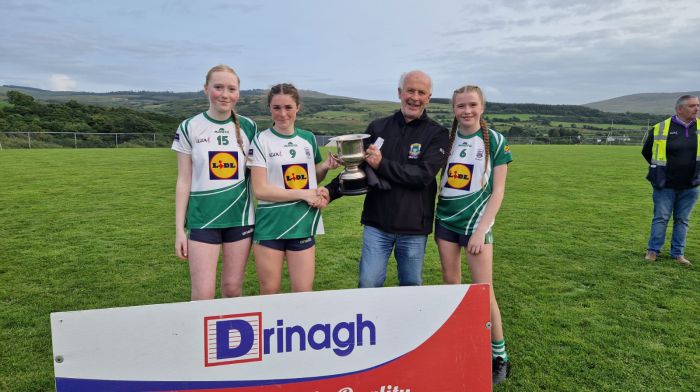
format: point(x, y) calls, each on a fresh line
point(395, 339)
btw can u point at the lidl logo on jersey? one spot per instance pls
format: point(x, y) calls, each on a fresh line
point(223, 165)
point(296, 176)
point(239, 338)
point(459, 176)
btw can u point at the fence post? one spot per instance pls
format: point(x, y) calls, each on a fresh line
point(116, 140)
point(154, 140)
point(29, 139)
point(75, 139)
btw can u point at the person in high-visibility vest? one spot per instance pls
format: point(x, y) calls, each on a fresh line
point(672, 149)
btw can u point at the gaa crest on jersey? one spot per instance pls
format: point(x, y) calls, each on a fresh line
point(459, 176)
point(479, 154)
point(308, 152)
point(414, 151)
point(223, 165)
point(296, 176)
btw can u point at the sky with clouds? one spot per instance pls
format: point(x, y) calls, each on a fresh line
point(541, 51)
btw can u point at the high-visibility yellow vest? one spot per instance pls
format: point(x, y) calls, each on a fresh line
point(657, 168)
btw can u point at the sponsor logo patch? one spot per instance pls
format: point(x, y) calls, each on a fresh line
point(296, 176)
point(223, 165)
point(459, 176)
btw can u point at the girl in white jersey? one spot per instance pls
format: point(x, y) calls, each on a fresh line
point(473, 185)
point(212, 196)
point(286, 169)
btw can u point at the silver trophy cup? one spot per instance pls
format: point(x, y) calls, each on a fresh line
point(351, 152)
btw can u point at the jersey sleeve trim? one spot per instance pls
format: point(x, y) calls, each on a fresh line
point(311, 139)
point(249, 127)
point(255, 161)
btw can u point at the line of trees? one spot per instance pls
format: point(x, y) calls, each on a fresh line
point(25, 114)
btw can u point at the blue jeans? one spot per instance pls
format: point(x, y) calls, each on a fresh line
point(377, 245)
point(678, 202)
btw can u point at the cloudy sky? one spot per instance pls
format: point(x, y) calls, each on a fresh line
point(543, 51)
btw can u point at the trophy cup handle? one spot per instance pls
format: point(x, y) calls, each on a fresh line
point(337, 158)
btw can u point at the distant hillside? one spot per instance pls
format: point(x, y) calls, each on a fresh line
point(654, 103)
point(133, 99)
point(30, 109)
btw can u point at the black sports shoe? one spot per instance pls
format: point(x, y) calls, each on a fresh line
point(500, 370)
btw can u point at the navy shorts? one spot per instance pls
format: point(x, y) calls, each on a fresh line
point(220, 236)
point(294, 244)
point(448, 235)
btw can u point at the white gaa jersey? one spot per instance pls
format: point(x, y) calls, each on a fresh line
point(466, 183)
point(220, 194)
point(290, 161)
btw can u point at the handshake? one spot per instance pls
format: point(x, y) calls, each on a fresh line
point(318, 198)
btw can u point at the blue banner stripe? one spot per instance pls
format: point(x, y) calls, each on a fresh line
point(86, 385)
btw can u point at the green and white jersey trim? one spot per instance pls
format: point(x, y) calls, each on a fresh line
point(228, 207)
point(220, 191)
point(466, 185)
point(287, 220)
point(290, 162)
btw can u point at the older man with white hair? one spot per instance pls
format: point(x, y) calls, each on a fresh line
point(398, 211)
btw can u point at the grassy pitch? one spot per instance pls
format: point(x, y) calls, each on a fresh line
point(582, 310)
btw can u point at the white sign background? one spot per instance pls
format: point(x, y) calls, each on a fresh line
point(166, 342)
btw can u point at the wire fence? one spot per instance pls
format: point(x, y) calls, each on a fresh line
point(621, 139)
point(30, 140)
point(34, 140)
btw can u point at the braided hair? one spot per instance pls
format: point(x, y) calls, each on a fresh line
point(482, 123)
point(239, 139)
point(286, 89)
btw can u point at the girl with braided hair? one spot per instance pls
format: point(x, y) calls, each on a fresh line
point(473, 185)
point(213, 198)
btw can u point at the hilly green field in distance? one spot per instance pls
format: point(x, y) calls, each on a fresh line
point(655, 103)
point(24, 109)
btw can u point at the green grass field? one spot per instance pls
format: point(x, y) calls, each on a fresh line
point(89, 228)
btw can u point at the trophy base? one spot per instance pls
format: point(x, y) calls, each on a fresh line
point(352, 187)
